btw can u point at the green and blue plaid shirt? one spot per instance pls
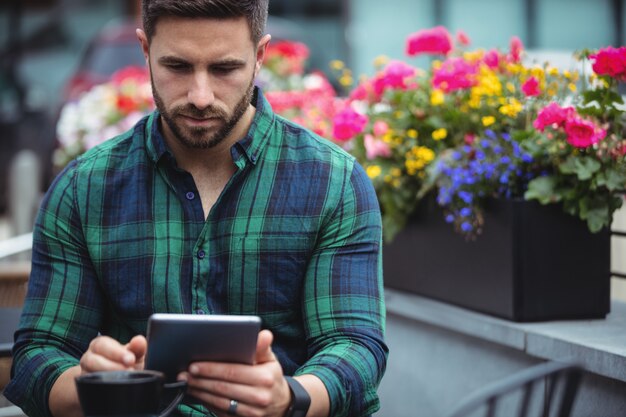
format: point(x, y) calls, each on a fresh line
point(295, 237)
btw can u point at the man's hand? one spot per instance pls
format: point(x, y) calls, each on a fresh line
point(107, 354)
point(258, 389)
point(104, 354)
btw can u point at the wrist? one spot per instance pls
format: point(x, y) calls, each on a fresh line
point(300, 399)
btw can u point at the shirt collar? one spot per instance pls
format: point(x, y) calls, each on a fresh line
point(249, 147)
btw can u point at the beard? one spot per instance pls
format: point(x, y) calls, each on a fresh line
point(201, 137)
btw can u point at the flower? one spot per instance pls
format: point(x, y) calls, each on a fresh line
point(429, 41)
point(610, 61)
point(103, 112)
point(472, 126)
point(484, 124)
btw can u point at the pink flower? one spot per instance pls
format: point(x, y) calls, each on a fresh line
point(375, 147)
point(583, 133)
point(455, 74)
point(610, 61)
point(462, 38)
point(393, 76)
point(362, 91)
point(429, 41)
point(531, 87)
point(553, 115)
point(492, 58)
point(516, 48)
point(348, 123)
point(469, 138)
point(380, 128)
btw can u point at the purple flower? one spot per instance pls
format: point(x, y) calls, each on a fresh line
point(466, 212)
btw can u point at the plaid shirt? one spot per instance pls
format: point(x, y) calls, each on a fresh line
point(295, 237)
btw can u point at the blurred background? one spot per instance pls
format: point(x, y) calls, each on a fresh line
point(52, 50)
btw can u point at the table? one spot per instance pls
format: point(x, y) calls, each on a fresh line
point(9, 320)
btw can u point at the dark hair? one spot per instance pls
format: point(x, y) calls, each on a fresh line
point(255, 12)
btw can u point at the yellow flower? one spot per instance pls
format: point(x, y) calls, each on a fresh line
point(337, 65)
point(538, 73)
point(346, 80)
point(552, 71)
point(512, 109)
point(488, 120)
point(381, 60)
point(437, 97)
point(373, 171)
point(473, 56)
point(510, 87)
point(440, 133)
point(412, 133)
point(572, 87)
point(396, 172)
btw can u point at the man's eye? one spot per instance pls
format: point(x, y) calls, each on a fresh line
point(177, 67)
point(224, 70)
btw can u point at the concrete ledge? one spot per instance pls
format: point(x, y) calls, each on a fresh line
point(599, 345)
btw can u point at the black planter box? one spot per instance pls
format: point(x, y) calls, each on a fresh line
point(531, 263)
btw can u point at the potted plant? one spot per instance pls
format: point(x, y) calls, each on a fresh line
point(524, 161)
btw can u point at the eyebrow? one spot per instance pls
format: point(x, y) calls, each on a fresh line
point(169, 59)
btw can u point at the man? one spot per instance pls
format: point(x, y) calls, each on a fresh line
point(212, 204)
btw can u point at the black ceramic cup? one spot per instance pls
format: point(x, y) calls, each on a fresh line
point(127, 394)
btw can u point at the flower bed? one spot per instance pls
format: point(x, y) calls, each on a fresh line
point(474, 125)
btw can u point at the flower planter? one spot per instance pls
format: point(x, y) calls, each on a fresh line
point(531, 263)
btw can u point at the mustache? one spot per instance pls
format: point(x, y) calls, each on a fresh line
point(209, 112)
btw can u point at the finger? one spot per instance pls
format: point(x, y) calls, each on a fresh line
point(138, 345)
point(91, 362)
point(112, 350)
point(264, 347)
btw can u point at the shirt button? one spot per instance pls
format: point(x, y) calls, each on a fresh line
point(201, 254)
point(190, 195)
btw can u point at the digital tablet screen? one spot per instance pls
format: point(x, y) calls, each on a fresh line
point(176, 340)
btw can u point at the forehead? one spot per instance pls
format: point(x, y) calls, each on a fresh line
point(197, 36)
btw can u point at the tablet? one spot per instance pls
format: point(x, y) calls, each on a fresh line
point(176, 340)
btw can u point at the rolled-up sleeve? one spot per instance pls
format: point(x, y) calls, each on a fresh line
point(61, 313)
point(343, 301)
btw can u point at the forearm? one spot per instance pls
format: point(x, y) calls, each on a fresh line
point(320, 402)
point(63, 400)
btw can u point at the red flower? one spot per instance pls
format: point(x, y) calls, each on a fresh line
point(133, 73)
point(455, 74)
point(583, 133)
point(348, 123)
point(553, 115)
point(492, 58)
point(462, 38)
point(531, 87)
point(610, 61)
point(429, 41)
point(516, 48)
point(393, 76)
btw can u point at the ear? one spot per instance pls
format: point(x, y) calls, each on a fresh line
point(145, 47)
point(260, 52)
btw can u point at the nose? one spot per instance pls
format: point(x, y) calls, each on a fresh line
point(200, 92)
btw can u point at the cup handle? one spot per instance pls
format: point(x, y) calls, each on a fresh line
point(179, 385)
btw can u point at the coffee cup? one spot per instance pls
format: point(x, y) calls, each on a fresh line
point(127, 393)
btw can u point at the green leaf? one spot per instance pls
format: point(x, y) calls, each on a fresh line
point(583, 166)
point(598, 218)
point(612, 179)
point(543, 189)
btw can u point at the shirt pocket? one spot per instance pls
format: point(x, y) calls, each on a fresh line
point(271, 270)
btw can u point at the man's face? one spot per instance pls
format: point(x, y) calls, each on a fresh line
point(202, 74)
